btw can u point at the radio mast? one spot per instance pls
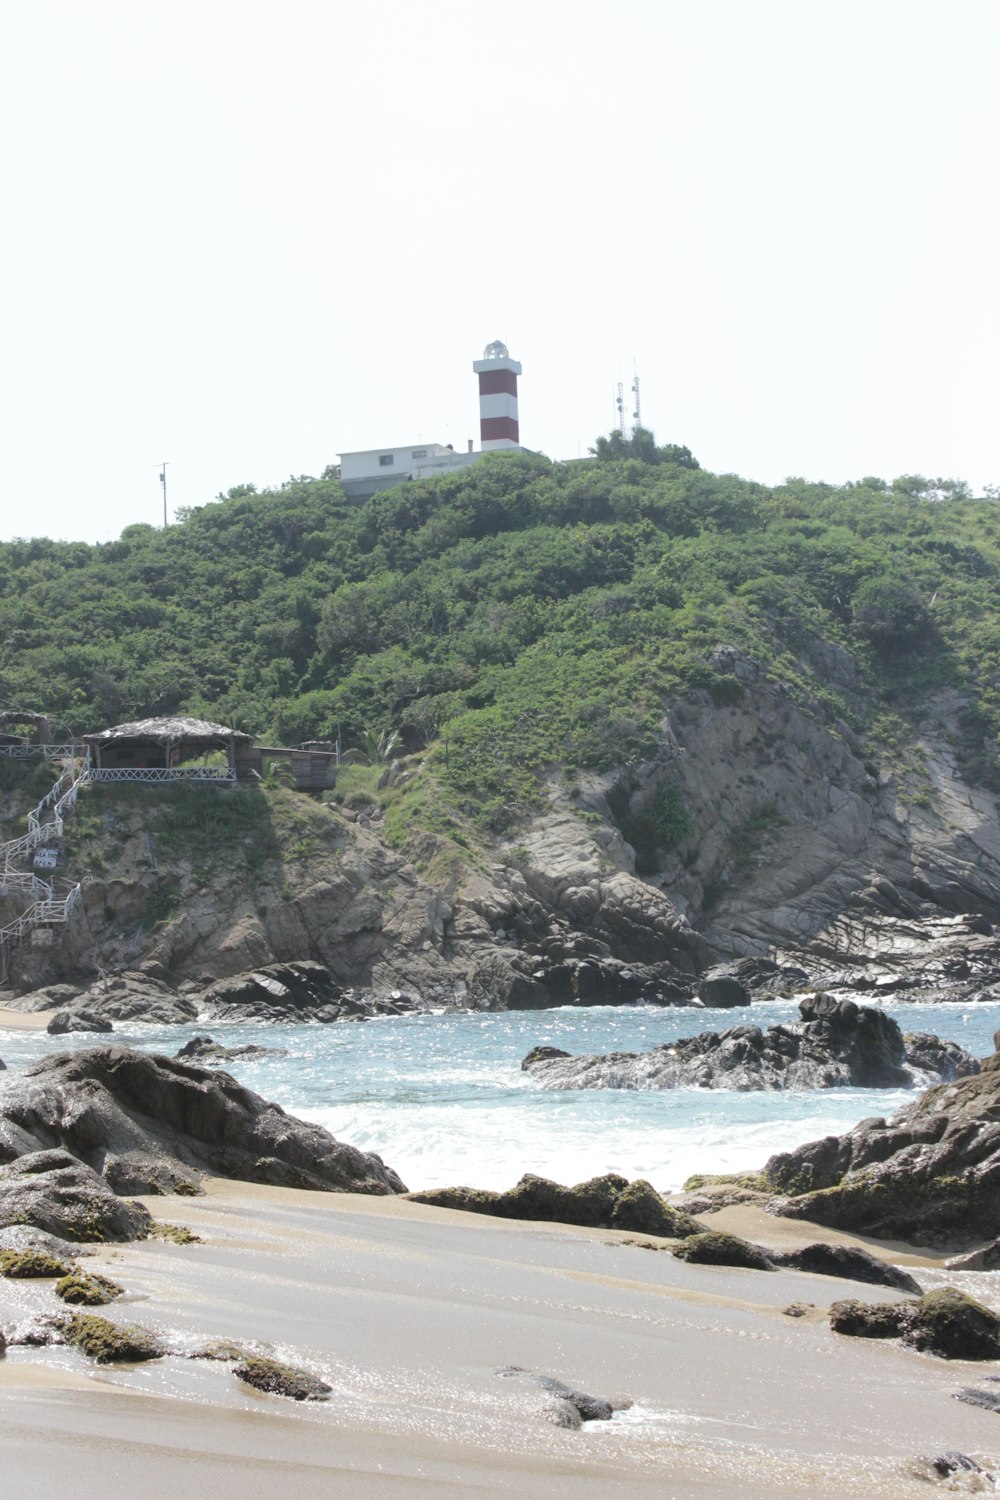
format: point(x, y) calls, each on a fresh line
point(620, 410)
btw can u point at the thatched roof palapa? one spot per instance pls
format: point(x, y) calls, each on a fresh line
point(177, 728)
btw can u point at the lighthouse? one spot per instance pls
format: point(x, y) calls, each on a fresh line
point(497, 398)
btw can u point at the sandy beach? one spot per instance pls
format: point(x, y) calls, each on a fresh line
point(410, 1312)
point(23, 1020)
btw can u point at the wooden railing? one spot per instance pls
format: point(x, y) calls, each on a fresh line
point(44, 752)
point(43, 913)
point(157, 774)
point(45, 824)
point(24, 882)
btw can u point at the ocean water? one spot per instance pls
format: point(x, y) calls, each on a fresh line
point(442, 1099)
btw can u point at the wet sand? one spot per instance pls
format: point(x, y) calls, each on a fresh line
point(410, 1312)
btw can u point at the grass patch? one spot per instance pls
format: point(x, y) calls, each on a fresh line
point(357, 786)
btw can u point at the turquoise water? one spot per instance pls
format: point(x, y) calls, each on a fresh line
point(443, 1100)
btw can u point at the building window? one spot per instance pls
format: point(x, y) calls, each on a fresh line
point(385, 459)
point(419, 453)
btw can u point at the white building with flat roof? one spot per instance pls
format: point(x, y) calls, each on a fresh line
point(368, 471)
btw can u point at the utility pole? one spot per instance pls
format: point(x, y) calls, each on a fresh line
point(163, 481)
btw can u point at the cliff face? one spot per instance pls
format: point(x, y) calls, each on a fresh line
point(783, 837)
point(803, 843)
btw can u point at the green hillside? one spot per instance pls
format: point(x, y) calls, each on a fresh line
point(519, 614)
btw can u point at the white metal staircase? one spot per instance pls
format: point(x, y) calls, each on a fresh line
point(53, 900)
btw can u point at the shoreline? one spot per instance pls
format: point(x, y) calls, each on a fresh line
point(410, 1312)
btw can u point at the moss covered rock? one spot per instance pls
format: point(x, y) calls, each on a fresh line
point(868, 1320)
point(178, 1234)
point(945, 1322)
point(470, 1200)
point(224, 1351)
point(607, 1202)
point(278, 1379)
point(640, 1207)
point(87, 1289)
point(753, 1182)
point(717, 1248)
point(110, 1343)
point(31, 1263)
point(953, 1326)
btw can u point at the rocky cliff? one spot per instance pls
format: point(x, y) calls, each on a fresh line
point(766, 828)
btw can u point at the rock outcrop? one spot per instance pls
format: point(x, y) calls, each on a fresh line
point(573, 924)
point(202, 1049)
point(153, 1124)
point(294, 993)
point(930, 1174)
point(837, 1044)
point(297, 993)
point(129, 996)
point(609, 1202)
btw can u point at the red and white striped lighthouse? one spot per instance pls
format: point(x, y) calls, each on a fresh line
point(497, 398)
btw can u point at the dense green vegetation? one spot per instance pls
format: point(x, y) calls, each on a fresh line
point(517, 614)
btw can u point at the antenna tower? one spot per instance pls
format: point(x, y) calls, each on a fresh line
point(620, 409)
point(637, 412)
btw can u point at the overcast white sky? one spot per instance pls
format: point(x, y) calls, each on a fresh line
point(244, 237)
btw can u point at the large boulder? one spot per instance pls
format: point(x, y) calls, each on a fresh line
point(850, 1262)
point(837, 1044)
point(945, 1322)
point(721, 989)
point(52, 1191)
point(930, 1174)
point(152, 1124)
point(77, 1020)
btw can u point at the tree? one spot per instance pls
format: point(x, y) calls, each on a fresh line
point(890, 613)
point(642, 445)
point(375, 749)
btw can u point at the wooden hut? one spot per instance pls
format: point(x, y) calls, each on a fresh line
point(174, 749)
point(158, 750)
point(311, 770)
